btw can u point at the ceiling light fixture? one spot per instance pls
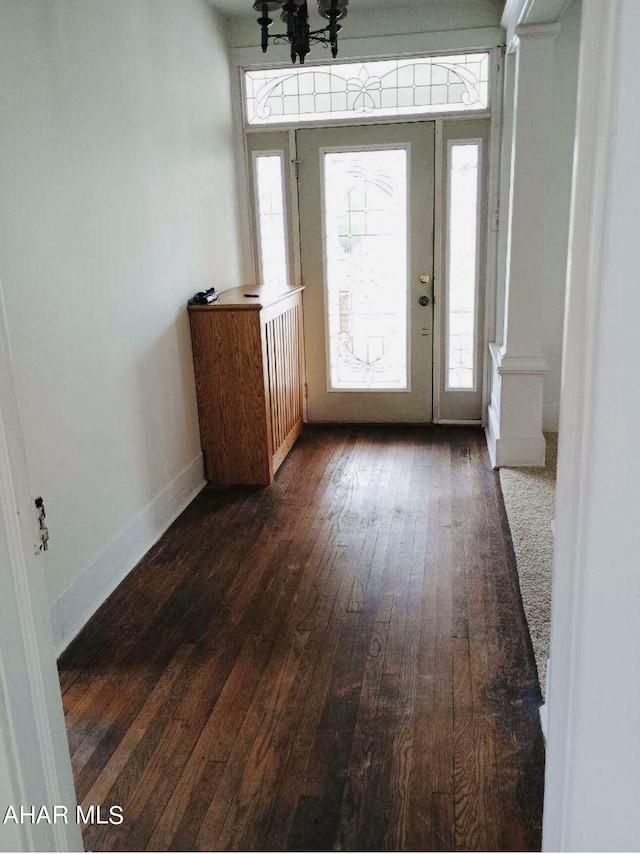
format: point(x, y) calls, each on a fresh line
point(299, 35)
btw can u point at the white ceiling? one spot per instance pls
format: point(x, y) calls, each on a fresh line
point(244, 8)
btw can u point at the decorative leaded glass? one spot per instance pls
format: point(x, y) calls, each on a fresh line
point(395, 87)
point(462, 262)
point(365, 205)
point(272, 228)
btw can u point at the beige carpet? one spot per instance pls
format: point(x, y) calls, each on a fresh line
point(529, 497)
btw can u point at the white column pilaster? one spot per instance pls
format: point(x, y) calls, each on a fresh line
point(514, 430)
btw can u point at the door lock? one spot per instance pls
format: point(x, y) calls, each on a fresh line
point(424, 279)
point(424, 301)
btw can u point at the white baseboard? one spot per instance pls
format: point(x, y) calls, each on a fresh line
point(544, 708)
point(519, 451)
point(492, 431)
point(550, 417)
point(543, 720)
point(94, 584)
point(453, 422)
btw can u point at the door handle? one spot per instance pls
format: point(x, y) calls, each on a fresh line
point(424, 301)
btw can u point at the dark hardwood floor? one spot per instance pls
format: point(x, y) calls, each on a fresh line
point(337, 662)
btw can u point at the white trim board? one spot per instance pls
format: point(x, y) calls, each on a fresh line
point(93, 585)
point(496, 100)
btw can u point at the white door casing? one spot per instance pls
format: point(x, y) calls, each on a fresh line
point(32, 728)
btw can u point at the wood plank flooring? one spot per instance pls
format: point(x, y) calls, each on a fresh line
point(338, 662)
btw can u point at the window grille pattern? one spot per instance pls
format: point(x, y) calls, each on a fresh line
point(365, 203)
point(399, 87)
point(462, 261)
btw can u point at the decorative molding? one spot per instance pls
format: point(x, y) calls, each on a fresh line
point(514, 12)
point(512, 45)
point(96, 582)
point(530, 12)
point(537, 31)
point(523, 365)
point(506, 364)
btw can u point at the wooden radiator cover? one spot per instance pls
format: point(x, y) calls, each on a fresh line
point(249, 367)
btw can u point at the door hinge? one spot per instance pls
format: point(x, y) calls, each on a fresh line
point(306, 391)
point(44, 531)
point(296, 166)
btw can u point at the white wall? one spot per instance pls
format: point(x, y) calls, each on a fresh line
point(118, 202)
point(554, 266)
point(593, 751)
point(387, 20)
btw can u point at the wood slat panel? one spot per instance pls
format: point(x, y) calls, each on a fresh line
point(283, 333)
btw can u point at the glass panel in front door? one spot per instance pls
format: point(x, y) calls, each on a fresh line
point(365, 232)
point(366, 240)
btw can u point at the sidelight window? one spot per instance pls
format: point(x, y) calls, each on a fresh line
point(462, 263)
point(271, 218)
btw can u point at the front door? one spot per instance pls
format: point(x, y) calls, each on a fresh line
point(366, 208)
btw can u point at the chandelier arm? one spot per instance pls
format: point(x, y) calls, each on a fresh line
point(315, 35)
point(264, 22)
